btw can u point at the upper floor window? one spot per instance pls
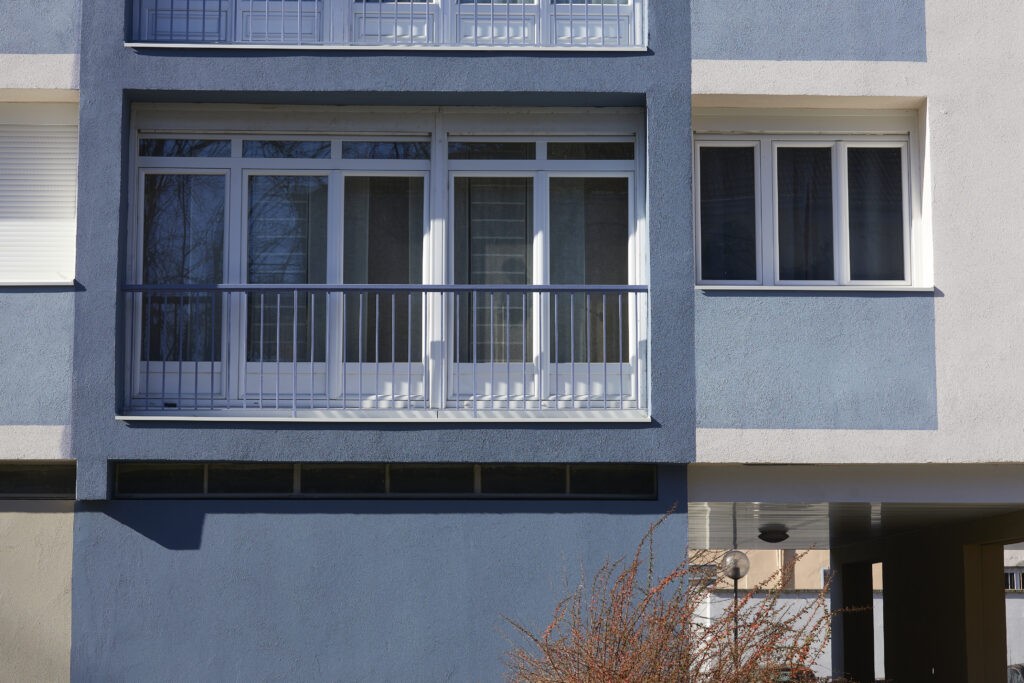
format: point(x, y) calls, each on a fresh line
point(799, 210)
point(418, 24)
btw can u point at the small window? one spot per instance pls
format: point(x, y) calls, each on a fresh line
point(343, 479)
point(802, 210)
point(378, 149)
point(250, 479)
point(492, 150)
point(614, 480)
point(286, 149)
point(139, 479)
point(432, 479)
point(172, 147)
point(37, 480)
point(590, 151)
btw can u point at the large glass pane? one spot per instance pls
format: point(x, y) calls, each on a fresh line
point(589, 246)
point(805, 236)
point(876, 213)
point(383, 245)
point(287, 245)
point(183, 243)
point(493, 235)
point(728, 214)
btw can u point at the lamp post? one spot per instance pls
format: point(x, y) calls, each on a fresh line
point(735, 565)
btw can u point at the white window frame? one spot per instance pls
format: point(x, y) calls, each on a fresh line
point(765, 131)
point(438, 126)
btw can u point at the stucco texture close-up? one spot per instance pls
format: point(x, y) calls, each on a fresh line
point(815, 361)
point(40, 26)
point(862, 30)
point(35, 590)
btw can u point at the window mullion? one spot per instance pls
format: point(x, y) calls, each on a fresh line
point(335, 274)
point(768, 210)
point(235, 273)
point(438, 356)
point(541, 276)
point(841, 218)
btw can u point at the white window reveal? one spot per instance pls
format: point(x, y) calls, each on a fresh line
point(38, 193)
point(389, 275)
point(806, 210)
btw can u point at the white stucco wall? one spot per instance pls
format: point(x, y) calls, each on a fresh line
point(973, 161)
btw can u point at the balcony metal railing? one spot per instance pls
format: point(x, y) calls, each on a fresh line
point(326, 352)
point(450, 24)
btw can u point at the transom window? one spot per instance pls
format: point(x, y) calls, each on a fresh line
point(803, 210)
point(322, 273)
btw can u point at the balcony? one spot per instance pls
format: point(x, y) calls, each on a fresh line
point(387, 352)
point(393, 24)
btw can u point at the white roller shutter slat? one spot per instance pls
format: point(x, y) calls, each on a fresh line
point(38, 203)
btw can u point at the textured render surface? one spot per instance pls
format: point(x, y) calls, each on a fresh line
point(869, 30)
point(973, 169)
point(35, 590)
point(40, 26)
point(334, 590)
point(815, 361)
point(38, 78)
point(35, 357)
point(660, 78)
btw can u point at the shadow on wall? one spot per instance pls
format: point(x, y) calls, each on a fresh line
point(813, 360)
point(178, 524)
point(847, 30)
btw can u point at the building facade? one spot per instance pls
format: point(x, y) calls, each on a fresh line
point(345, 328)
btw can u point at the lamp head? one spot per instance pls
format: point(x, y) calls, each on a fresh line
point(735, 564)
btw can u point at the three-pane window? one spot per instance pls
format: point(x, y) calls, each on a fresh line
point(802, 210)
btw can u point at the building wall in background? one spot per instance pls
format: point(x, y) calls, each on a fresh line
point(833, 395)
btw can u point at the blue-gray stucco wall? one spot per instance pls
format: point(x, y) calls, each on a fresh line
point(334, 590)
point(35, 357)
point(113, 75)
point(862, 30)
point(816, 361)
point(40, 26)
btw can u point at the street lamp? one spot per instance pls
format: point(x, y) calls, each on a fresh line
point(735, 565)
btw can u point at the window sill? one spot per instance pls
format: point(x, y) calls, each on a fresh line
point(386, 48)
point(405, 416)
point(836, 289)
point(36, 283)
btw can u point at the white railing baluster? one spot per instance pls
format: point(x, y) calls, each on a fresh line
point(172, 320)
point(554, 22)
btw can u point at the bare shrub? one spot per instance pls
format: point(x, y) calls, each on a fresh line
point(627, 625)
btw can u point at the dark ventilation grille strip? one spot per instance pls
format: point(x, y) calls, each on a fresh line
point(37, 480)
point(393, 480)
